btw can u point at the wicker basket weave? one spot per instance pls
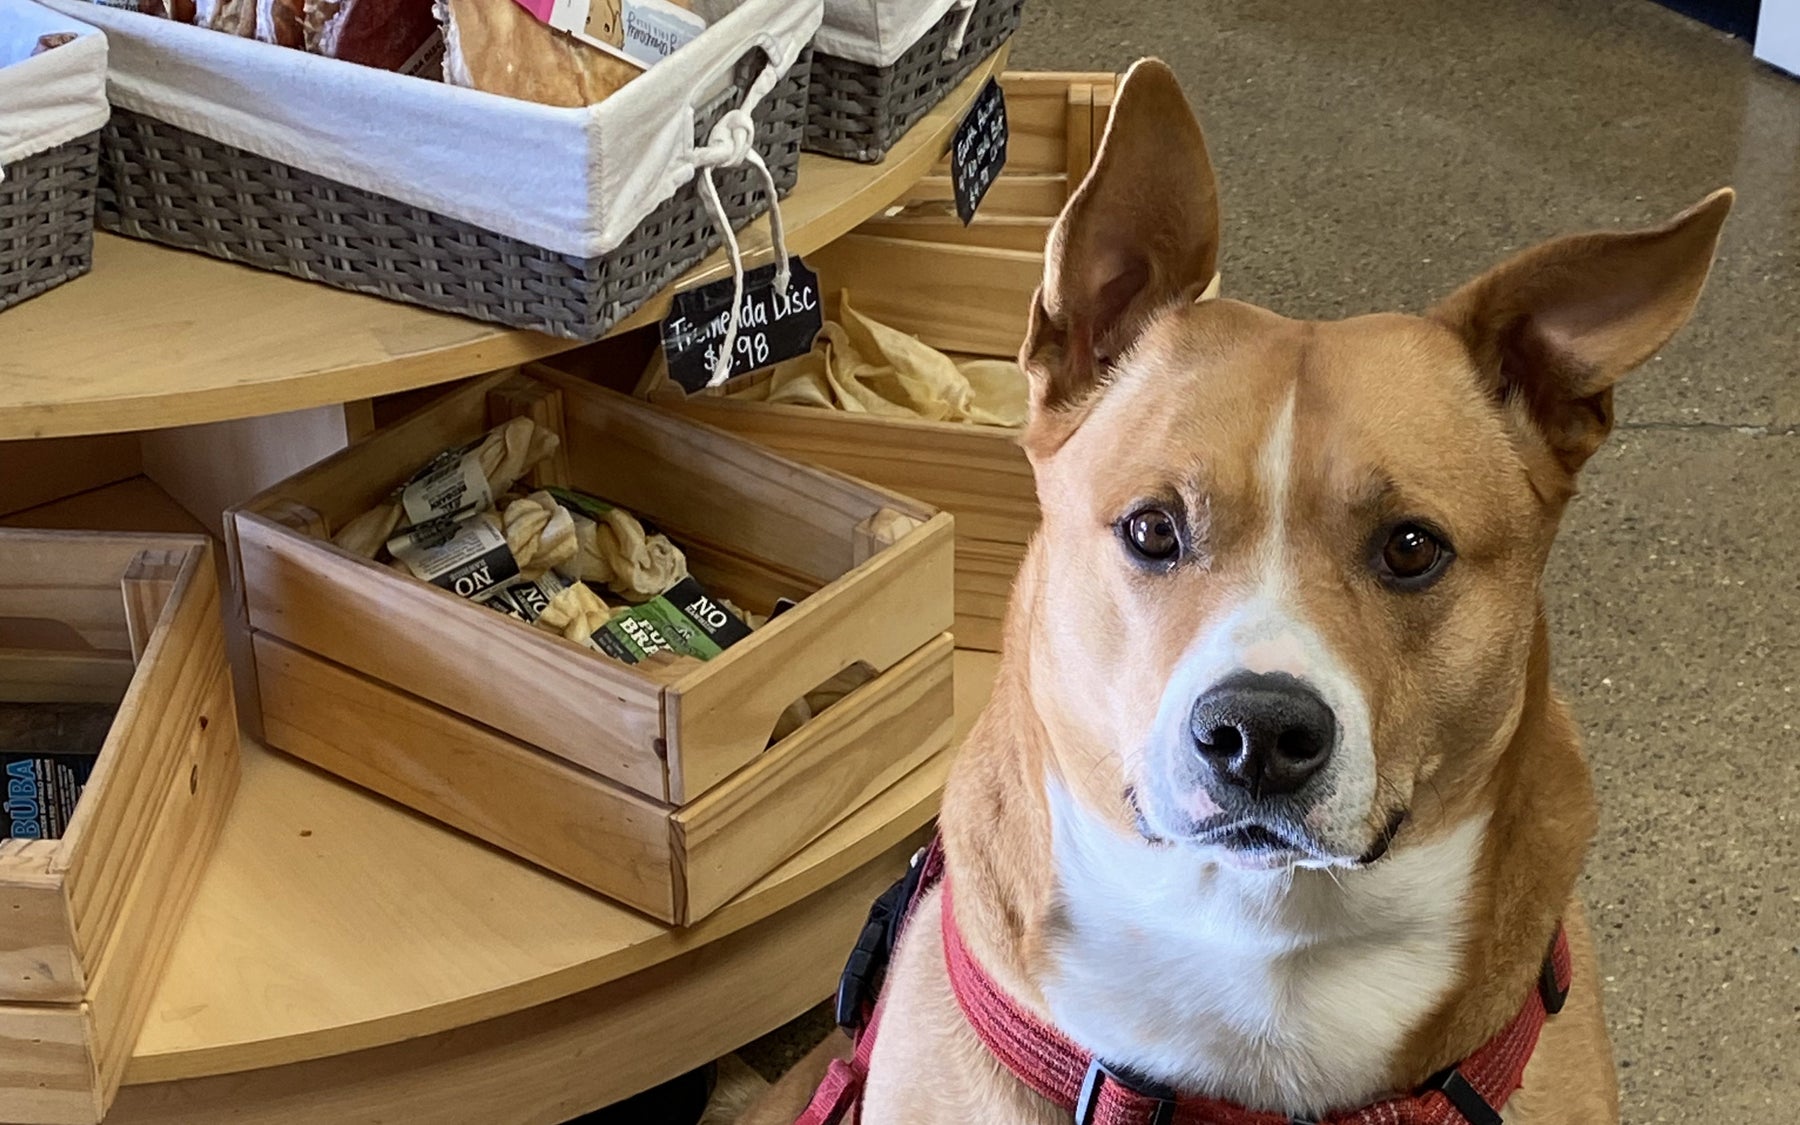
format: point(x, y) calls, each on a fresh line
point(170, 186)
point(47, 218)
point(857, 111)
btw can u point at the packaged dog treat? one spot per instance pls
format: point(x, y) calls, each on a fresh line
point(525, 599)
point(503, 49)
point(685, 620)
point(576, 612)
point(468, 557)
point(460, 480)
point(47, 753)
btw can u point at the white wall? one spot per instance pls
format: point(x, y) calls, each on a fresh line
point(1778, 34)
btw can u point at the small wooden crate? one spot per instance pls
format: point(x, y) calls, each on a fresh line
point(656, 787)
point(964, 290)
point(87, 921)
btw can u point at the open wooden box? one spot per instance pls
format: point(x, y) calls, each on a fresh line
point(87, 921)
point(657, 787)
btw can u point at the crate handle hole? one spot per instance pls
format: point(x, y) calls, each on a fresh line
point(820, 699)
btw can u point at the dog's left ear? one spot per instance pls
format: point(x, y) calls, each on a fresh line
point(1139, 234)
point(1554, 328)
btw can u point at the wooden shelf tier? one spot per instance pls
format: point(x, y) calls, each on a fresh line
point(155, 337)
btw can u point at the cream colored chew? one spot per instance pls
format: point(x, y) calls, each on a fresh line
point(540, 533)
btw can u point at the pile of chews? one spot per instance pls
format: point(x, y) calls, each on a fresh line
point(459, 523)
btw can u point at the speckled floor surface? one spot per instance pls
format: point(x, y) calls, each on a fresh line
point(1374, 153)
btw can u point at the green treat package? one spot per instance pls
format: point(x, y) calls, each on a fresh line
point(683, 620)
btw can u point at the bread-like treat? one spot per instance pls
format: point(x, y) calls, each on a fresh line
point(282, 22)
point(52, 41)
point(503, 49)
point(540, 533)
point(233, 17)
point(577, 612)
point(379, 33)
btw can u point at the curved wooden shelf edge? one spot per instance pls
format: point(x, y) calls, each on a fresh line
point(155, 337)
point(300, 947)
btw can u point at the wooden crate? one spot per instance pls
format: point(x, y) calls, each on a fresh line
point(657, 787)
point(87, 921)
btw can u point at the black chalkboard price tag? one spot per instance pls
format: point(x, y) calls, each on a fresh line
point(771, 326)
point(978, 152)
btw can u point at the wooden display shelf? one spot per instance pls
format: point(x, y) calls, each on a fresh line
point(332, 922)
point(155, 337)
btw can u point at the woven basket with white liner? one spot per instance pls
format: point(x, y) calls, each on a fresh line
point(561, 220)
point(880, 65)
point(51, 108)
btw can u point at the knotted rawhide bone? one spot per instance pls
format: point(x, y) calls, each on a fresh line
point(576, 612)
point(540, 532)
point(613, 548)
point(465, 479)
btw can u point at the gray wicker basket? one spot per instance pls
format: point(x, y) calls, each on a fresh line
point(170, 186)
point(857, 111)
point(47, 218)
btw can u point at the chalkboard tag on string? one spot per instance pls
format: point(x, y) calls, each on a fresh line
point(771, 326)
point(978, 152)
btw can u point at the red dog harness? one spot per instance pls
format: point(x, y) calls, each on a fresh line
point(1467, 1093)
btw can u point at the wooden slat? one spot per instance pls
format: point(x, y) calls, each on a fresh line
point(32, 675)
point(1034, 194)
point(985, 572)
point(663, 468)
point(978, 473)
point(879, 733)
point(47, 1069)
point(720, 715)
point(537, 687)
point(37, 943)
point(146, 587)
point(531, 398)
point(1025, 233)
point(1079, 131)
point(596, 833)
point(171, 859)
point(954, 298)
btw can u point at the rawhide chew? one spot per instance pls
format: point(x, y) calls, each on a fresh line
point(614, 549)
point(381, 33)
point(502, 49)
point(540, 532)
point(576, 612)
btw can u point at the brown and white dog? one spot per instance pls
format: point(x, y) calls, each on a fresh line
point(1273, 801)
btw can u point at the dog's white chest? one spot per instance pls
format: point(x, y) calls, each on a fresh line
point(1292, 995)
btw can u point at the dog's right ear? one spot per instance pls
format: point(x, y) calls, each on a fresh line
point(1139, 234)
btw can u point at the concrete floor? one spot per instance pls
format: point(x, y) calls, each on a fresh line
point(1372, 155)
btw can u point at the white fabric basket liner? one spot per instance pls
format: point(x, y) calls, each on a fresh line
point(575, 181)
point(55, 97)
point(878, 32)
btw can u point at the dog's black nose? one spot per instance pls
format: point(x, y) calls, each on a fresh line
point(1268, 733)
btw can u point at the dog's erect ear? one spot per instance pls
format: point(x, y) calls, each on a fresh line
point(1555, 327)
point(1141, 232)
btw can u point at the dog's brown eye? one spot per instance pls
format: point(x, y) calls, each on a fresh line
point(1412, 556)
point(1151, 534)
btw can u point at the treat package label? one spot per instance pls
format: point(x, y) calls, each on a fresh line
point(527, 599)
point(656, 29)
point(684, 620)
point(978, 151)
point(428, 61)
point(450, 484)
point(598, 23)
point(771, 326)
point(468, 558)
point(41, 793)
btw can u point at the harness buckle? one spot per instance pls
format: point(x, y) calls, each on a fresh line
point(1099, 1073)
point(1463, 1097)
point(861, 979)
